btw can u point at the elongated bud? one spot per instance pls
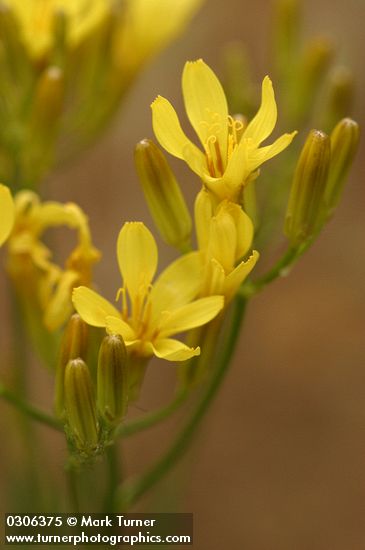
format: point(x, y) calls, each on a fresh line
point(340, 96)
point(311, 73)
point(238, 81)
point(48, 99)
point(73, 346)
point(306, 204)
point(344, 144)
point(286, 34)
point(163, 195)
point(80, 405)
point(60, 36)
point(13, 48)
point(112, 379)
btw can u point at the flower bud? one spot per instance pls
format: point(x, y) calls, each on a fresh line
point(80, 405)
point(310, 74)
point(344, 143)
point(286, 34)
point(48, 101)
point(112, 378)
point(306, 205)
point(14, 59)
point(163, 195)
point(73, 346)
point(341, 91)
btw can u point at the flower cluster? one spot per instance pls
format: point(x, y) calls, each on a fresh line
point(59, 57)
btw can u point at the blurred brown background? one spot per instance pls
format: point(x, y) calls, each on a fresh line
point(280, 461)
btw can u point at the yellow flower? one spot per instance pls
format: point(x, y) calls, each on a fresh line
point(36, 19)
point(151, 314)
point(224, 234)
point(147, 27)
point(30, 261)
point(232, 149)
point(6, 213)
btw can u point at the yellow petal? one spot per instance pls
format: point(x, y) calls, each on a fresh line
point(116, 325)
point(205, 103)
point(92, 307)
point(137, 258)
point(177, 285)
point(195, 159)
point(191, 315)
point(236, 172)
point(259, 156)
point(238, 275)
point(167, 129)
point(244, 227)
point(214, 278)
point(263, 123)
point(6, 213)
point(173, 350)
point(203, 212)
point(222, 243)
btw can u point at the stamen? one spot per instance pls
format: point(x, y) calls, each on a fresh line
point(124, 305)
point(214, 159)
point(219, 157)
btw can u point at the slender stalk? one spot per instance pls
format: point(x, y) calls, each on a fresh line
point(280, 269)
point(72, 488)
point(29, 410)
point(130, 492)
point(113, 479)
point(153, 418)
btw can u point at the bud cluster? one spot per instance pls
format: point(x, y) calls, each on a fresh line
point(90, 410)
point(319, 179)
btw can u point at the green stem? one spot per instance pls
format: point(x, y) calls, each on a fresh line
point(130, 492)
point(149, 420)
point(29, 410)
point(72, 488)
point(280, 269)
point(113, 479)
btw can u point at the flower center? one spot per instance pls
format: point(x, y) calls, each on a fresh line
point(136, 312)
point(217, 152)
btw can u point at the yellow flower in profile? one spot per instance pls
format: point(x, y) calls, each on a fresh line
point(224, 234)
point(6, 213)
point(151, 313)
point(232, 150)
point(36, 20)
point(30, 261)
